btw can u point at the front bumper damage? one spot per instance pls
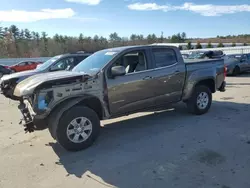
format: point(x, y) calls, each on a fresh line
point(30, 121)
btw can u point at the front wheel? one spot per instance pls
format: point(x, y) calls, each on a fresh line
point(200, 101)
point(78, 128)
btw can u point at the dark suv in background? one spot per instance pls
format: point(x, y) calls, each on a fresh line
point(4, 70)
point(57, 63)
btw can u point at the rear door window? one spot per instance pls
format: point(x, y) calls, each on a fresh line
point(164, 57)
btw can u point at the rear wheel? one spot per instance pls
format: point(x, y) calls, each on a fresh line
point(78, 128)
point(200, 101)
point(236, 71)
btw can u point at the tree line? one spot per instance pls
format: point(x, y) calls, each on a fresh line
point(17, 42)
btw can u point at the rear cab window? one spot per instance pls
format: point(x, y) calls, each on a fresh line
point(164, 57)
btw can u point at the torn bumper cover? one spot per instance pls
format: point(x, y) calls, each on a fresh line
point(30, 121)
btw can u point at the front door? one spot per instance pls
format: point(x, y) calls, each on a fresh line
point(133, 91)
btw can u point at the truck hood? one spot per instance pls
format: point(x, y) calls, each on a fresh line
point(27, 86)
point(18, 75)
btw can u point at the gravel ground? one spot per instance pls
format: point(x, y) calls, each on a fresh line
point(156, 149)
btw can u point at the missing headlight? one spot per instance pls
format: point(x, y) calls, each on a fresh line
point(44, 99)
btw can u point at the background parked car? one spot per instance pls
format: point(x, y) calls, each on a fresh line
point(24, 65)
point(237, 64)
point(4, 70)
point(57, 63)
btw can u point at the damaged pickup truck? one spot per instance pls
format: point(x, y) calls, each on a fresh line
point(112, 83)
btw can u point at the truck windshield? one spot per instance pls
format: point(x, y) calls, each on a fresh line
point(48, 63)
point(95, 62)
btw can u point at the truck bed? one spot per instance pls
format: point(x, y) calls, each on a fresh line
point(193, 61)
point(206, 68)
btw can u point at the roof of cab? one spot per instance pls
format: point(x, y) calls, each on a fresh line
point(119, 49)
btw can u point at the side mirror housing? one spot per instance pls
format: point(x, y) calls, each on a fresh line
point(118, 71)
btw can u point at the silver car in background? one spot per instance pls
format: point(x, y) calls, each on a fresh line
point(237, 63)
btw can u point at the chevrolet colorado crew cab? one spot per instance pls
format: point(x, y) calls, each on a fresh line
point(112, 83)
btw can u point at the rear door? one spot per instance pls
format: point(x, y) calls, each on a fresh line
point(133, 91)
point(169, 75)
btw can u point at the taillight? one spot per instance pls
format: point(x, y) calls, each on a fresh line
point(225, 71)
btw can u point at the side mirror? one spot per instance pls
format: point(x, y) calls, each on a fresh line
point(118, 71)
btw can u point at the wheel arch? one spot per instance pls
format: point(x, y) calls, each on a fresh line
point(189, 89)
point(210, 83)
point(59, 109)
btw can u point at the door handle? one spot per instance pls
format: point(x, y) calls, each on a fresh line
point(147, 78)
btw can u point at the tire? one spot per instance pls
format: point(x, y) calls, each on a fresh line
point(236, 71)
point(66, 131)
point(197, 108)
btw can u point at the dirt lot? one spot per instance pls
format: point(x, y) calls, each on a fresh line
point(159, 149)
